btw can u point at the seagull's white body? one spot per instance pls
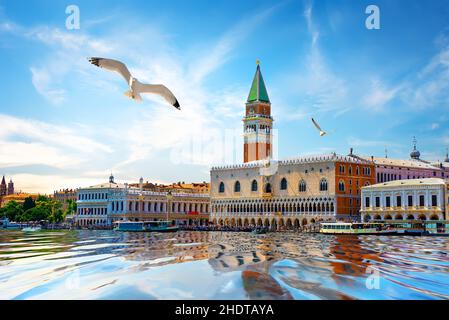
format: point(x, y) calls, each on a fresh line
point(322, 132)
point(135, 86)
point(269, 168)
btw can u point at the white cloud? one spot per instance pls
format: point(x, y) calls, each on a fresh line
point(152, 127)
point(434, 126)
point(430, 88)
point(32, 142)
point(379, 96)
point(35, 183)
point(357, 142)
point(212, 59)
point(68, 57)
point(205, 114)
point(317, 87)
point(67, 40)
point(42, 81)
point(312, 29)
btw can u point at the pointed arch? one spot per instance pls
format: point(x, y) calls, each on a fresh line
point(323, 184)
point(237, 186)
point(254, 186)
point(302, 186)
point(284, 184)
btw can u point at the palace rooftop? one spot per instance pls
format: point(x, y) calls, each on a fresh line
point(333, 157)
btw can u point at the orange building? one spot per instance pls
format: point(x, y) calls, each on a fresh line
point(17, 197)
point(350, 177)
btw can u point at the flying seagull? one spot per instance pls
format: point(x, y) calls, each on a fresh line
point(322, 133)
point(135, 86)
point(269, 168)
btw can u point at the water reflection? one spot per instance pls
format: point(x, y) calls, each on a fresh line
point(216, 265)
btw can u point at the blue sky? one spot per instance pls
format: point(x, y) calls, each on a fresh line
point(65, 123)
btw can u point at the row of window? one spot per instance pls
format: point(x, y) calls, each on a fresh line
point(92, 196)
point(385, 177)
point(366, 171)
point(283, 186)
point(92, 211)
point(421, 201)
point(159, 206)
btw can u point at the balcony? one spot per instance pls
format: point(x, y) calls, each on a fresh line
point(267, 195)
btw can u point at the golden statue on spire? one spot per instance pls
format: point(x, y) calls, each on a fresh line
point(257, 61)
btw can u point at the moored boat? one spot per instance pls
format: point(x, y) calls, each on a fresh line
point(260, 231)
point(6, 224)
point(356, 228)
point(397, 227)
point(146, 226)
point(31, 229)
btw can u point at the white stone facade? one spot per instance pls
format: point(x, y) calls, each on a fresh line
point(105, 203)
point(239, 194)
point(423, 199)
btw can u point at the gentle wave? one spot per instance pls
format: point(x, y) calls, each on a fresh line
point(220, 265)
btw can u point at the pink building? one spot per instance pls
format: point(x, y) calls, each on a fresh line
point(388, 169)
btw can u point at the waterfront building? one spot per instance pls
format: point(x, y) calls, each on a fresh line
point(388, 169)
point(303, 190)
point(423, 199)
point(108, 202)
point(64, 195)
point(283, 194)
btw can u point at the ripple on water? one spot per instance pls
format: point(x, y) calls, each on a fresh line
point(108, 264)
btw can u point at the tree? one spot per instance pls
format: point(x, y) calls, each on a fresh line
point(71, 207)
point(28, 204)
point(42, 198)
point(35, 214)
point(57, 216)
point(12, 210)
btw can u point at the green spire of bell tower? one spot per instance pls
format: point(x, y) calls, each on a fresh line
point(258, 90)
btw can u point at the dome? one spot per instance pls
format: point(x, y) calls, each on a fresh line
point(415, 154)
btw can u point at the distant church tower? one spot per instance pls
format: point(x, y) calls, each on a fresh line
point(3, 187)
point(257, 123)
point(10, 187)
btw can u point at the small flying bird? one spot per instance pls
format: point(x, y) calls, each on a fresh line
point(322, 132)
point(135, 86)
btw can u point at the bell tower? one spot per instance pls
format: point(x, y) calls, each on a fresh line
point(257, 123)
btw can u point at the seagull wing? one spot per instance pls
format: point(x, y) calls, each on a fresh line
point(112, 65)
point(316, 125)
point(158, 89)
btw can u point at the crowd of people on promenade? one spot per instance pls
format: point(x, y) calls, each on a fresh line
point(216, 228)
point(308, 228)
point(211, 227)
